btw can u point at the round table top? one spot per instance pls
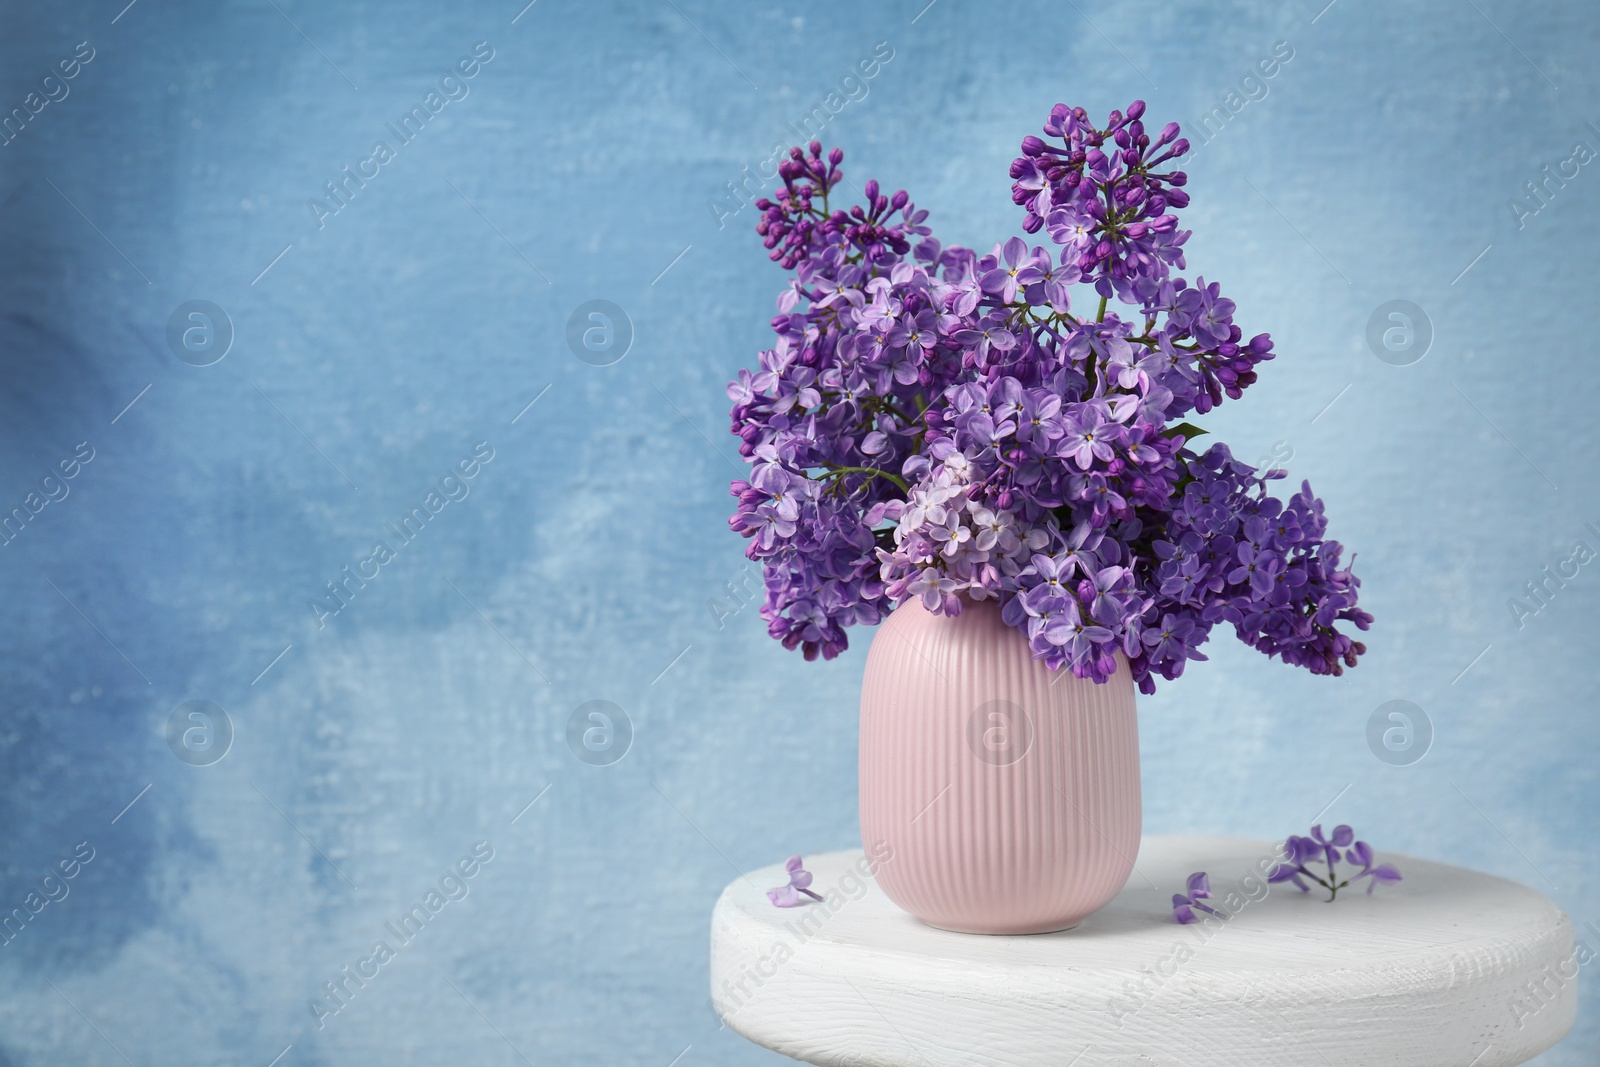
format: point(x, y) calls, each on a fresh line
point(1449, 968)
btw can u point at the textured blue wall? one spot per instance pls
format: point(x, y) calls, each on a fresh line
point(376, 346)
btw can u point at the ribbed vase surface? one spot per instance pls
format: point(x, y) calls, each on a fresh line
point(1009, 793)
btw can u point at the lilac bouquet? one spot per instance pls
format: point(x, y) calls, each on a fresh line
point(938, 423)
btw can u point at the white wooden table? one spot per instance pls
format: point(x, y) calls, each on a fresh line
point(1450, 968)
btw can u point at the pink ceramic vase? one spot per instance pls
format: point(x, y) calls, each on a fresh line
point(1008, 793)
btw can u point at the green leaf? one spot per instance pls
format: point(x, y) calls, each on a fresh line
point(1187, 430)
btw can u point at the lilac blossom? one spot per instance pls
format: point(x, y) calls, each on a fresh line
point(953, 425)
point(1300, 851)
point(1184, 905)
point(1297, 853)
point(788, 896)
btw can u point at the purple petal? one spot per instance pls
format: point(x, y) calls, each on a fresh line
point(1343, 835)
point(994, 281)
point(1183, 913)
point(1199, 885)
point(1385, 873)
point(1304, 849)
point(785, 896)
point(795, 863)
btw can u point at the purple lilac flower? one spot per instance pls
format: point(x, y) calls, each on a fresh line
point(1184, 905)
point(934, 422)
point(788, 896)
point(1300, 851)
point(1006, 267)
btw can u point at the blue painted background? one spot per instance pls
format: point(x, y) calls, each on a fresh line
point(590, 559)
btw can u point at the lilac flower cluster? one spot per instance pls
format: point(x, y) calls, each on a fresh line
point(1297, 852)
point(940, 423)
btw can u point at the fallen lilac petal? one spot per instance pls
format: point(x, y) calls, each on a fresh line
point(788, 896)
point(785, 896)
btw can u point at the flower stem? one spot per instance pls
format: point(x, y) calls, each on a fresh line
point(895, 478)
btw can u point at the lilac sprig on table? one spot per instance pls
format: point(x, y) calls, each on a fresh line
point(1298, 852)
point(1184, 905)
point(952, 425)
point(788, 896)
